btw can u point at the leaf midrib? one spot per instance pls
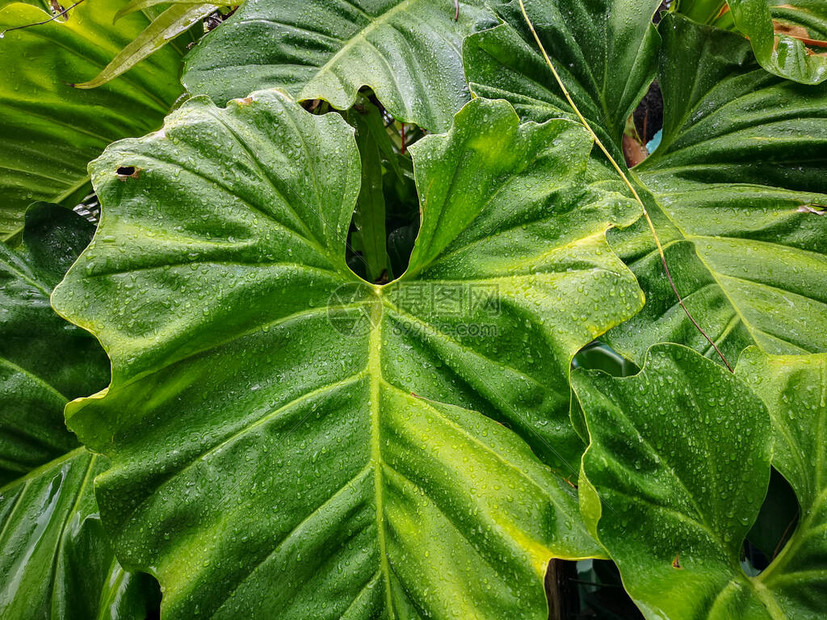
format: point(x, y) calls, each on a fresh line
point(374, 370)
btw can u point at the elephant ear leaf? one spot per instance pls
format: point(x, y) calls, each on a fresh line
point(677, 469)
point(52, 130)
point(44, 362)
point(56, 560)
point(674, 475)
point(785, 46)
point(737, 190)
point(298, 439)
point(407, 51)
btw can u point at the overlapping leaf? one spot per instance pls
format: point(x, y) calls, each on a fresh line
point(284, 435)
point(407, 51)
point(737, 189)
point(50, 130)
point(740, 188)
point(43, 360)
point(677, 468)
point(56, 561)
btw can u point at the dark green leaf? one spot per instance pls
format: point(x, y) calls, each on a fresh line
point(678, 464)
point(739, 184)
point(44, 361)
point(677, 468)
point(737, 190)
point(605, 51)
point(406, 51)
point(56, 561)
point(795, 391)
point(369, 216)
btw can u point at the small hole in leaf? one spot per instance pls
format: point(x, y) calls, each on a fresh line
point(128, 172)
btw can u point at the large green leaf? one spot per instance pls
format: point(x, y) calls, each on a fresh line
point(678, 465)
point(675, 472)
point(794, 389)
point(780, 52)
point(737, 190)
point(43, 360)
point(55, 559)
point(605, 51)
point(407, 51)
point(286, 436)
point(50, 130)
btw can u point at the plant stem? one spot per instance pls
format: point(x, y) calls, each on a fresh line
point(370, 209)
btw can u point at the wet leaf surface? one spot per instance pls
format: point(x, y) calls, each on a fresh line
point(285, 435)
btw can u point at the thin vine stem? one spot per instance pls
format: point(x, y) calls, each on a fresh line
point(58, 15)
point(626, 180)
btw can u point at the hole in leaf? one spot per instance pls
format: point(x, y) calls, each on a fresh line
point(648, 115)
point(128, 172)
point(600, 592)
point(643, 129)
point(775, 524)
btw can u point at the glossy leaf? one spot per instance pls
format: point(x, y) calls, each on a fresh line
point(56, 561)
point(675, 472)
point(50, 131)
point(794, 389)
point(737, 189)
point(284, 435)
point(44, 361)
point(406, 51)
point(778, 51)
point(605, 51)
